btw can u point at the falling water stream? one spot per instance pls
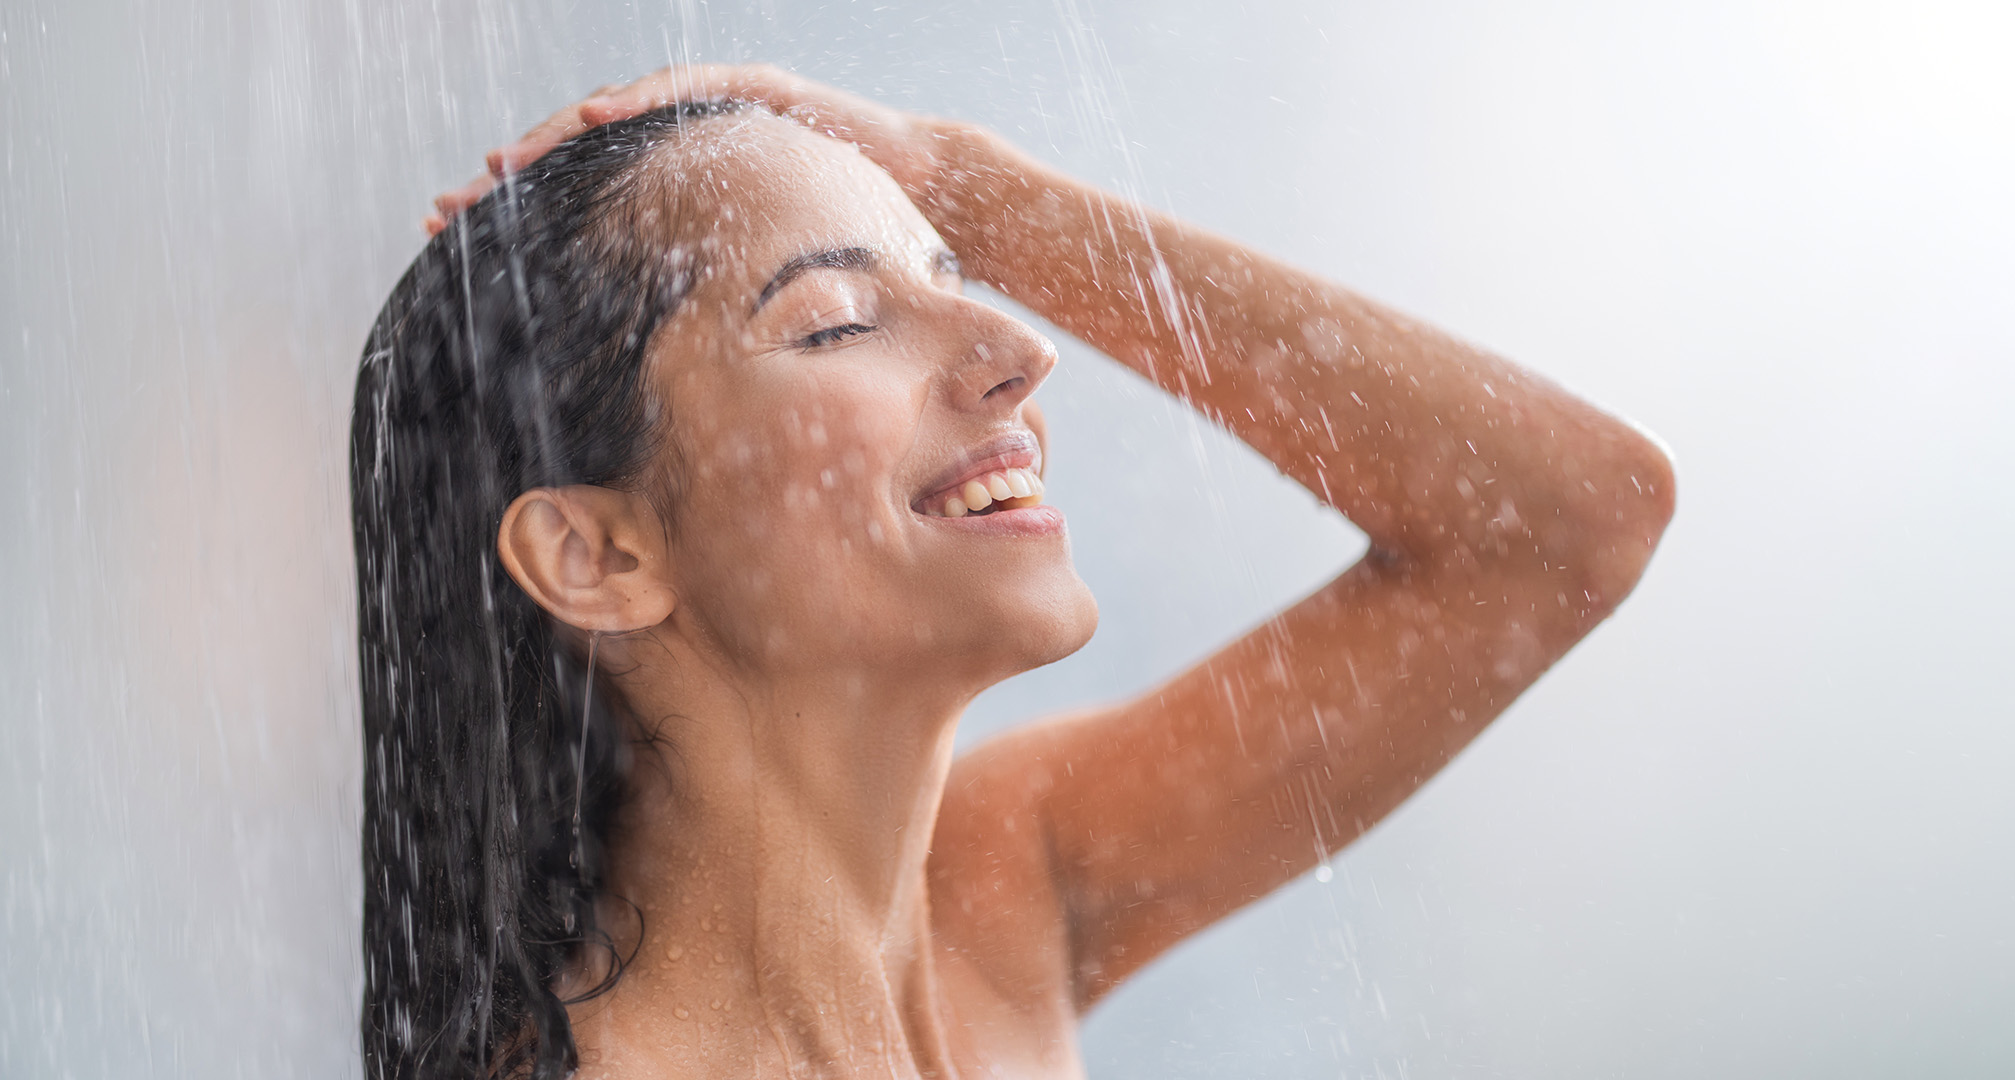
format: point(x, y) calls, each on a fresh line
point(1757, 826)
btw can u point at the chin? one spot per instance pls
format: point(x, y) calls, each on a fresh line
point(1034, 624)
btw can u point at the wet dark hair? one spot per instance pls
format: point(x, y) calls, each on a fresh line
point(510, 356)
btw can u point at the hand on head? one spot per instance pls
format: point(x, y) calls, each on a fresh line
point(902, 143)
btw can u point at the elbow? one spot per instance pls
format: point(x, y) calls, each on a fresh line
point(1631, 499)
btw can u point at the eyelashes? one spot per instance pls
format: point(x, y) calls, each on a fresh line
point(834, 335)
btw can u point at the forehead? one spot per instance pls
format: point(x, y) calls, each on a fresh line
point(755, 189)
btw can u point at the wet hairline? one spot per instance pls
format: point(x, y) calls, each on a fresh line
point(675, 202)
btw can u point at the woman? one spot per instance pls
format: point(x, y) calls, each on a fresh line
point(694, 501)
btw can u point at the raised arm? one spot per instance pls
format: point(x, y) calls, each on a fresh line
point(1447, 457)
point(1506, 518)
point(1440, 452)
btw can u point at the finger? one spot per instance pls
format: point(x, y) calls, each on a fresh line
point(606, 106)
point(698, 82)
point(822, 108)
point(610, 101)
point(597, 111)
point(433, 223)
point(532, 146)
point(653, 91)
point(873, 127)
point(761, 83)
point(455, 200)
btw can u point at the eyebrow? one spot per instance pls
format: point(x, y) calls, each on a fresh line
point(846, 258)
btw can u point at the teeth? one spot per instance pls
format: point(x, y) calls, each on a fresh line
point(1020, 487)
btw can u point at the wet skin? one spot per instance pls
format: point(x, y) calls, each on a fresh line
point(825, 891)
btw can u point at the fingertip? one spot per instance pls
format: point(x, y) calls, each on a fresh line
point(433, 223)
point(494, 160)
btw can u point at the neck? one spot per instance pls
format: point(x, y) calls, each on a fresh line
point(774, 838)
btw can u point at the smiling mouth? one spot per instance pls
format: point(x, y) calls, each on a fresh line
point(988, 493)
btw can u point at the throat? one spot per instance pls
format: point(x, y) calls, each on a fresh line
point(795, 977)
point(771, 863)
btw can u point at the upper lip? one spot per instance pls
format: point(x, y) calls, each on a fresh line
point(1014, 450)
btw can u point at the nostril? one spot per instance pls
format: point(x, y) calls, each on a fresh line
point(1011, 384)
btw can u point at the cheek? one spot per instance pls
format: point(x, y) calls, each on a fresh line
point(792, 496)
point(791, 441)
point(829, 451)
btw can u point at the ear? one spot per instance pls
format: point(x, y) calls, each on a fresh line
point(593, 557)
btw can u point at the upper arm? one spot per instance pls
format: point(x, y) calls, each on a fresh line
point(1166, 813)
point(1507, 517)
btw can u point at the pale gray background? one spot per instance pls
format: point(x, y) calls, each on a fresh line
point(1761, 825)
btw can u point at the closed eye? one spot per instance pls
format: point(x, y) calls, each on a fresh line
point(834, 335)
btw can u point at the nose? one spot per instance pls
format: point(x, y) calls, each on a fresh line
point(1001, 360)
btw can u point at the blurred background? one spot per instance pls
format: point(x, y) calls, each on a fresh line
point(1761, 824)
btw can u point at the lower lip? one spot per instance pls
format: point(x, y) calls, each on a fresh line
point(1041, 520)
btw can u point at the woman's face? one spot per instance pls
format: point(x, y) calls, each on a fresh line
point(830, 389)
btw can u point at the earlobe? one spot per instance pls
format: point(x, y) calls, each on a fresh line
point(592, 557)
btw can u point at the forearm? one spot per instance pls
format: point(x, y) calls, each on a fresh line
point(1437, 450)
